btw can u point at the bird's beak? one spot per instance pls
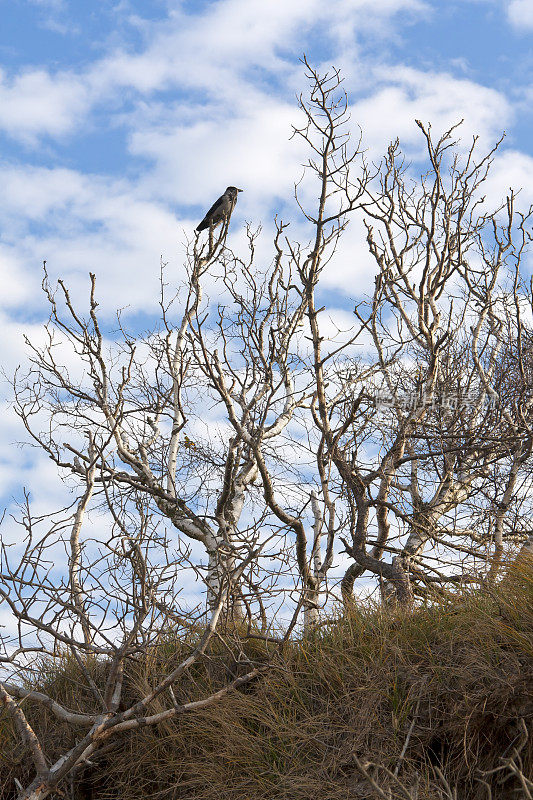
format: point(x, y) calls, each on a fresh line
point(240, 190)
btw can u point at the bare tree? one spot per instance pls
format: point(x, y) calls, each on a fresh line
point(410, 473)
point(116, 423)
point(501, 352)
point(256, 371)
point(117, 602)
point(390, 480)
point(129, 401)
point(238, 442)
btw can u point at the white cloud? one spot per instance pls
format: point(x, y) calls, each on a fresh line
point(13, 278)
point(512, 169)
point(53, 5)
point(248, 147)
point(36, 102)
point(406, 94)
point(118, 227)
point(212, 49)
point(215, 52)
point(521, 13)
point(86, 223)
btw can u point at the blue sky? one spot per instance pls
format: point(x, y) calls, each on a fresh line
point(54, 43)
point(120, 122)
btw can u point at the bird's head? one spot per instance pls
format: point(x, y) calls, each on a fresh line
point(233, 191)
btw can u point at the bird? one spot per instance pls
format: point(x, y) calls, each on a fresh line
point(221, 210)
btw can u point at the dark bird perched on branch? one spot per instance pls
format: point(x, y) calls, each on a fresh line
point(221, 210)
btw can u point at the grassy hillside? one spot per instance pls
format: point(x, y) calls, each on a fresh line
point(441, 698)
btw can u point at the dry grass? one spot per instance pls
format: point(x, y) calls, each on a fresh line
point(454, 681)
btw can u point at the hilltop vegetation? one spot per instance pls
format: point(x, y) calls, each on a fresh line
point(441, 697)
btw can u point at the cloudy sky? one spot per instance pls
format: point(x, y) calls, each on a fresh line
point(121, 121)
